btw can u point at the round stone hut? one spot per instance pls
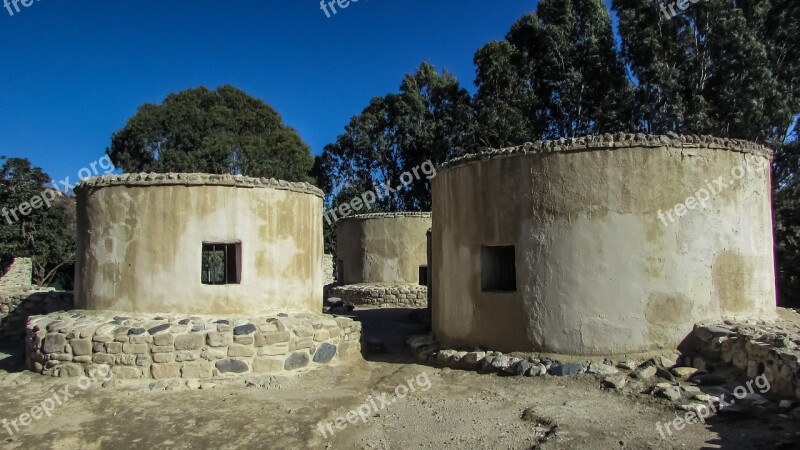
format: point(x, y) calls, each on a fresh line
point(601, 245)
point(382, 258)
point(198, 244)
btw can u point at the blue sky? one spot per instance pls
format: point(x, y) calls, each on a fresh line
point(74, 71)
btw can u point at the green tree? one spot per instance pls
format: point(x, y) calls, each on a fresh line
point(431, 119)
point(224, 131)
point(558, 75)
point(47, 233)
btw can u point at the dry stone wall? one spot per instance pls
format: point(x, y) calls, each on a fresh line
point(17, 307)
point(402, 295)
point(17, 277)
point(163, 347)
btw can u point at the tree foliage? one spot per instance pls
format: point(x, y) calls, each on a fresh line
point(431, 118)
point(46, 234)
point(224, 131)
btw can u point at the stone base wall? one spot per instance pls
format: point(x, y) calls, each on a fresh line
point(161, 347)
point(392, 295)
point(16, 308)
point(328, 276)
point(17, 278)
point(754, 348)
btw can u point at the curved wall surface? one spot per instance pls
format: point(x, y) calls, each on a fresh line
point(382, 248)
point(143, 240)
point(582, 247)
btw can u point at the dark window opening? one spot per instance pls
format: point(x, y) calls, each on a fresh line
point(423, 275)
point(498, 269)
point(340, 271)
point(221, 263)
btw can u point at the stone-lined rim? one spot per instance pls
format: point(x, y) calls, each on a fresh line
point(614, 142)
point(195, 179)
point(388, 215)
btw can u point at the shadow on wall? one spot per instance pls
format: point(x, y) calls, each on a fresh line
point(16, 308)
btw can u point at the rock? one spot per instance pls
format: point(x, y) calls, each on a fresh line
point(796, 413)
point(193, 384)
point(708, 332)
point(627, 365)
point(232, 366)
point(671, 393)
point(519, 368)
point(500, 363)
point(645, 373)
point(602, 369)
point(136, 331)
point(664, 362)
point(617, 381)
point(785, 404)
point(296, 361)
point(684, 373)
point(159, 328)
point(566, 370)
point(243, 330)
point(325, 353)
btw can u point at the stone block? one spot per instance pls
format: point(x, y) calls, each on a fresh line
point(186, 355)
point(163, 357)
point(126, 372)
point(81, 347)
point(244, 340)
point(192, 341)
point(54, 343)
point(217, 339)
point(213, 354)
point(242, 351)
point(164, 339)
point(135, 349)
point(200, 369)
point(325, 353)
point(113, 347)
point(277, 337)
point(321, 335)
point(71, 370)
point(166, 370)
point(232, 366)
point(268, 365)
point(162, 349)
point(297, 360)
point(103, 358)
point(274, 350)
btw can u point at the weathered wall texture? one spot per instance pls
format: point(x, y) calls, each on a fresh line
point(140, 240)
point(16, 308)
point(17, 277)
point(382, 248)
point(598, 272)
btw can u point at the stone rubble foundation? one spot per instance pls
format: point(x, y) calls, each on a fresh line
point(15, 308)
point(72, 344)
point(385, 295)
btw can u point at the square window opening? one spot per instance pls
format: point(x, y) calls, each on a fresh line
point(222, 263)
point(498, 269)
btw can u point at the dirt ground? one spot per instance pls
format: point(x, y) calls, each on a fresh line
point(447, 409)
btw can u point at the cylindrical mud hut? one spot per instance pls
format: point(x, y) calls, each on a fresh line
point(601, 245)
point(198, 244)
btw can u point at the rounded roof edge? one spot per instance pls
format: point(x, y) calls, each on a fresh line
point(195, 179)
point(613, 142)
point(389, 215)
